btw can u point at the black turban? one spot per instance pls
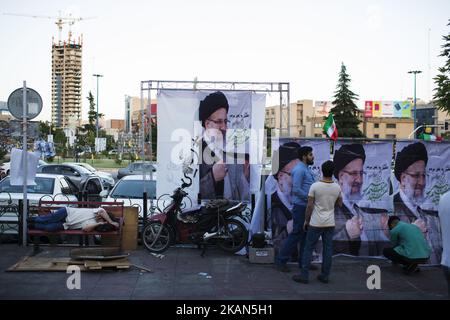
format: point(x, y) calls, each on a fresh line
point(410, 154)
point(346, 154)
point(211, 104)
point(285, 154)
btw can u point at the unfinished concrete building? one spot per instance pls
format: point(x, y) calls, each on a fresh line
point(66, 82)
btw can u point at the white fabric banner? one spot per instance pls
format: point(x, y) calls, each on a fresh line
point(177, 111)
point(321, 151)
point(422, 175)
point(179, 126)
point(17, 168)
point(363, 172)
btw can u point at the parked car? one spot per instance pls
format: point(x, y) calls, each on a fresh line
point(136, 168)
point(129, 189)
point(107, 178)
point(48, 187)
point(81, 178)
point(7, 165)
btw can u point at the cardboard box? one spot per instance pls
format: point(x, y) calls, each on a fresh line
point(130, 229)
point(130, 216)
point(261, 255)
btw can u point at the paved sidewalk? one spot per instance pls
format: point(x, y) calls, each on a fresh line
point(183, 274)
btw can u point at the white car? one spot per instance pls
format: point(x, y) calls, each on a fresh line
point(107, 178)
point(48, 187)
point(129, 189)
point(7, 165)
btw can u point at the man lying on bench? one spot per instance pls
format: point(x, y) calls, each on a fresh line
point(87, 219)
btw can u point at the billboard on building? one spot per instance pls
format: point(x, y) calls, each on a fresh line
point(387, 109)
point(322, 108)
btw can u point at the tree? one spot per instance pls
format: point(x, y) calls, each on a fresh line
point(92, 114)
point(345, 110)
point(154, 128)
point(442, 80)
point(88, 131)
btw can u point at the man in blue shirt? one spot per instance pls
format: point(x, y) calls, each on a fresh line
point(302, 179)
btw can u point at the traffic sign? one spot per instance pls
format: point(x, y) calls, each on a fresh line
point(34, 103)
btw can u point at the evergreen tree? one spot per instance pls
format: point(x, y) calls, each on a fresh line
point(442, 80)
point(91, 113)
point(88, 131)
point(345, 110)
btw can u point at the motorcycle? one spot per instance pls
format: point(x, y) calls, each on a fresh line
point(216, 223)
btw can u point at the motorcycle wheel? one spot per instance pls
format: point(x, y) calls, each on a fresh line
point(154, 243)
point(238, 236)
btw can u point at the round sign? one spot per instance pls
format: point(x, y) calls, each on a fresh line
point(34, 103)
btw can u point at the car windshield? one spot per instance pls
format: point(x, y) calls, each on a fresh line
point(83, 170)
point(43, 186)
point(133, 189)
point(86, 166)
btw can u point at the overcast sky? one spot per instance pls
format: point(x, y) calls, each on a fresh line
point(301, 42)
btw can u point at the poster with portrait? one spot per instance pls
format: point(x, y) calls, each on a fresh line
point(363, 171)
point(422, 175)
point(218, 127)
point(277, 221)
point(224, 126)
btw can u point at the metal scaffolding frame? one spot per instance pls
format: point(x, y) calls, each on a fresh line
point(282, 88)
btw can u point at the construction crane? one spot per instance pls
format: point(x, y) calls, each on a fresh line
point(60, 21)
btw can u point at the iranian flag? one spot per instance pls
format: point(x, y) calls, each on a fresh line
point(330, 129)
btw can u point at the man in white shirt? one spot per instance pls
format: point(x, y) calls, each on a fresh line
point(320, 222)
point(444, 216)
point(65, 218)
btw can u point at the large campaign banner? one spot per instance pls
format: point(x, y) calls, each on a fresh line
point(373, 187)
point(276, 220)
point(222, 129)
point(363, 171)
point(421, 177)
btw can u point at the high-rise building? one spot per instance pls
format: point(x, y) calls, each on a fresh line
point(66, 82)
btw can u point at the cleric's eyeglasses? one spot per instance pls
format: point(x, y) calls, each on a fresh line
point(355, 174)
point(417, 175)
point(220, 121)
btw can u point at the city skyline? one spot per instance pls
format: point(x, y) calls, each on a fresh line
point(302, 43)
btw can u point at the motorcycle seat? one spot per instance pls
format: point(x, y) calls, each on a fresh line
point(216, 204)
point(187, 218)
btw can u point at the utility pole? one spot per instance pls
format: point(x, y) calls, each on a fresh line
point(96, 120)
point(415, 72)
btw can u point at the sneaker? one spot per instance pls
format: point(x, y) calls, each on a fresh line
point(282, 268)
point(298, 278)
point(322, 279)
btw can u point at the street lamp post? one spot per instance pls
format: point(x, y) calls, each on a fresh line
point(415, 72)
point(96, 120)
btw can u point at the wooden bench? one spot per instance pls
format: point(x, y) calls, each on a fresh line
point(45, 207)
